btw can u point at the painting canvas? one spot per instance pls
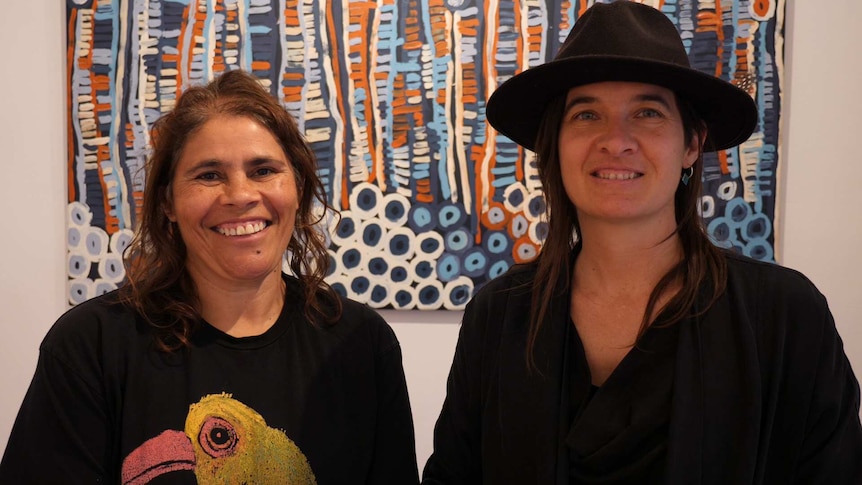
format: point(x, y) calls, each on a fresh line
point(391, 95)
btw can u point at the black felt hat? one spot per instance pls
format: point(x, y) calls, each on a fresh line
point(622, 41)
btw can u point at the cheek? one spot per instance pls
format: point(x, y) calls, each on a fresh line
point(190, 205)
point(285, 200)
point(569, 179)
point(291, 192)
point(570, 156)
point(289, 198)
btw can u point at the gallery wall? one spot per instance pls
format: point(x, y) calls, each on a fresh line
point(819, 230)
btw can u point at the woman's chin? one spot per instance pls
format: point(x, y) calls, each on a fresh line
point(241, 272)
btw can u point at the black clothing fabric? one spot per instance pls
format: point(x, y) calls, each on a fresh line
point(613, 443)
point(104, 401)
point(757, 391)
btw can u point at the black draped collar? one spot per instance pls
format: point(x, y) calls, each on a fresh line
point(620, 435)
point(713, 398)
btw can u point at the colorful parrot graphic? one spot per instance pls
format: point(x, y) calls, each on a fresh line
point(224, 441)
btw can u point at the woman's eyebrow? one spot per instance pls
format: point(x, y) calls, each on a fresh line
point(263, 160)
point(579, 100)
point(657, 98)
point(204, 164)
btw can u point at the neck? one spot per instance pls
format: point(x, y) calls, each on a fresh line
point(625, 258)
point(241, 310)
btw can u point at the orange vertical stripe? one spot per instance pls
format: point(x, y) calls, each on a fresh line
point(336, 74)
point(70, 133)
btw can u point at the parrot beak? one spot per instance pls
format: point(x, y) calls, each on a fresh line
point(168, 452)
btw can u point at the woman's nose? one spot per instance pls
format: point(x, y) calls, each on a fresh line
point(240, 191)
point(617, 139)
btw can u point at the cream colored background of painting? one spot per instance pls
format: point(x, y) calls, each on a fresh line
point(819, 222)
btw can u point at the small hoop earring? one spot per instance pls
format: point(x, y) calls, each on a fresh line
point(687, 174)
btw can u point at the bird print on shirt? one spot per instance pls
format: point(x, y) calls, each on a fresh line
point(224, 441)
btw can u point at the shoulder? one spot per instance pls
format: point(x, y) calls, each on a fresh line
point(780, 304)
point(359, 324)
point(502, 305)
point(90, 322)
point(93, 337)
point(367, 320)
point(355, 314)
point(516, 283)
point(771, 282)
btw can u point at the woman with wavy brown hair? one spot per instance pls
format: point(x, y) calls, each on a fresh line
point(211, 364)
point(633, 351)
point(157, 251)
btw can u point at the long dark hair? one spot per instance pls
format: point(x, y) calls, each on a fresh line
point(158, 285)
point(702, 261)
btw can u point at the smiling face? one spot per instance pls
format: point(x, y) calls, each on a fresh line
point(234, 198)
point(622, 150)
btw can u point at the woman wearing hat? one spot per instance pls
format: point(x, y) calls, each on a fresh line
point(633, 350)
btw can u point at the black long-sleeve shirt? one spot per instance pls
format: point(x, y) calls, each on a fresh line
point(761, 392)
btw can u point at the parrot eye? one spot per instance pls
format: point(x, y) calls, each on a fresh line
point(218, 437)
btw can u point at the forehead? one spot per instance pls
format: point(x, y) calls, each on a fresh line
point(620, 91)
point(224, 123)
point(229, 135)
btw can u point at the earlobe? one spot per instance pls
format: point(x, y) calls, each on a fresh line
point(690, 158)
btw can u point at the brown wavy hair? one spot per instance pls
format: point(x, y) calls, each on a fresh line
point(158, 284)
point(702, 262)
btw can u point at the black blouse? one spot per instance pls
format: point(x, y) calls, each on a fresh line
point(762, 393)
point(618, 432)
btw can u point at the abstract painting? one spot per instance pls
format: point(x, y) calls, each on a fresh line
point(391, 95)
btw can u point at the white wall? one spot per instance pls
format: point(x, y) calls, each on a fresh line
point(32, 194)
point(820, 232)
point(821, 225)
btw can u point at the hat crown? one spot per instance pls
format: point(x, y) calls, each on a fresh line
point(625, 29)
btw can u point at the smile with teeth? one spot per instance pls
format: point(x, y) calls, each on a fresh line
point(241, 229)
point(616, 174)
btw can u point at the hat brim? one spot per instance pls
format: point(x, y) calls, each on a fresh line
point(516, 108)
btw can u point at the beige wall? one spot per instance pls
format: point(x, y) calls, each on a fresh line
point(820, 230)
point(32, 194)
